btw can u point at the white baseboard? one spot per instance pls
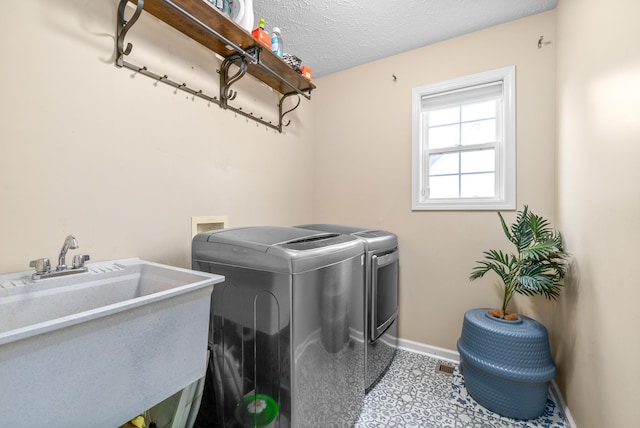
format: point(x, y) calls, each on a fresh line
point(454, 357)
point(555, 391)
point(432, 351)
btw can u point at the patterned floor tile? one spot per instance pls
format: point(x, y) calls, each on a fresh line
point(412, 394)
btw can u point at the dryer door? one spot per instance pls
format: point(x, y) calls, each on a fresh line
point(384, 292)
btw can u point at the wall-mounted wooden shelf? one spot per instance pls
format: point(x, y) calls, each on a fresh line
point(209, 27)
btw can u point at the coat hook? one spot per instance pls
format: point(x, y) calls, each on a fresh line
point(139, 70)
point(395, 78)
point(540, 42)
point(160, 79)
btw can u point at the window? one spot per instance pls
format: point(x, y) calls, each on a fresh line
point(464, 150)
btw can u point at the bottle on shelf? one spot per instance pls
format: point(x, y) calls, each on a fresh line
point(276, 42)
point(261, 35)
point(306, 72)
point(222, 5)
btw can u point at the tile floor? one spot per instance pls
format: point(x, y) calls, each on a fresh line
point(412, 394)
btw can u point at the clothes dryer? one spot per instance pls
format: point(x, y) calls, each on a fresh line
point(381, 295)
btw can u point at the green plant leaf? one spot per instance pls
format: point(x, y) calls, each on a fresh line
point(500, 263)
point(539, 265)
point(543, 250)
point(539, 227)
point(506, 229)
point(538, 279)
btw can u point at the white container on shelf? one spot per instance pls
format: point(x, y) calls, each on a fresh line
point(242, 13)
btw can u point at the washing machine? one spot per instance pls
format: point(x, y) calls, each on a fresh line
point(287, 326)
point(381, 295)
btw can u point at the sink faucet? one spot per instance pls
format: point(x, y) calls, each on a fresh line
point(69, 243)
point(43, 266)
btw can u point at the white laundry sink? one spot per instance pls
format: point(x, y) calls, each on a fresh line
point(98, 348)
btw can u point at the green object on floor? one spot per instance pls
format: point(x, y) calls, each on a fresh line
point(258, 411)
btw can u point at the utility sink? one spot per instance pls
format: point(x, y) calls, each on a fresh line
point(95, 349)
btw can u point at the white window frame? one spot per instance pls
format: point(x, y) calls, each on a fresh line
point(505, 149)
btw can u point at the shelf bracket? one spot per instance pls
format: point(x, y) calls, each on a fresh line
point(281, 114)
point(226, 80)
point(124, 26)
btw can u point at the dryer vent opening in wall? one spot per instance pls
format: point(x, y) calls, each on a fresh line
point(202, 224)
point(444, 368)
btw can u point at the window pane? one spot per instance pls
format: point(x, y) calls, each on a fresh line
point(463, 145)
point(479, 132)
point(444, 164)
point(443, 187)
point(478, 161)
point(444, 117)
point(478, 186)
point(444, 136)
point(484, 110)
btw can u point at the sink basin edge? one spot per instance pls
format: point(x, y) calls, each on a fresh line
point(106, 310)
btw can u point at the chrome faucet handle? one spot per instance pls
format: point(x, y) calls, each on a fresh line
point(42, 265)
point(79, 259)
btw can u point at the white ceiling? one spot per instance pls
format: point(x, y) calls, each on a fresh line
point(333, 35)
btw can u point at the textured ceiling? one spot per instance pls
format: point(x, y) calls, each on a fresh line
point(333, 35)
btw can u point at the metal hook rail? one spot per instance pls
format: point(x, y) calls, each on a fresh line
point(241, 58)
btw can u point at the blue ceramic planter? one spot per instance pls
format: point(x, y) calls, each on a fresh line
point(507, 365)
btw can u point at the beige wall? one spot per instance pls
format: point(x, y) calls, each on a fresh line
point(87, 149)
point(90, 149)
point(363, 168)
point(598, 88)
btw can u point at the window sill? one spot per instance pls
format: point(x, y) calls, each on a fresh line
point(464, 205)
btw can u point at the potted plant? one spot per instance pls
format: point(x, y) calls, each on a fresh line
point(536, 268)
point(506, 358)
